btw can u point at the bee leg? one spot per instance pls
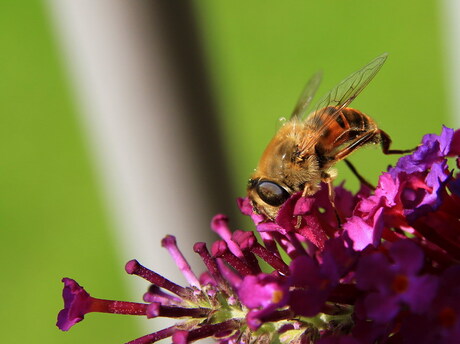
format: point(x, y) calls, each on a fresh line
point(361, 179)
point(299, 217)
point(385, 141)
point(307, 190)
point(331, 194)
point(299, 222)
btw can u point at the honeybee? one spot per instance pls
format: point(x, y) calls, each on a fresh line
point(303, 152)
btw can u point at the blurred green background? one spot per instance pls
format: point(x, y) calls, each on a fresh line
point(262, 54)
point(53, 222)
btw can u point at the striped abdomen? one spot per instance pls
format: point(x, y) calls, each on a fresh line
point(342, 132)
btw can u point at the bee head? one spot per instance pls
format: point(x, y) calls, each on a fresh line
point(266, 196)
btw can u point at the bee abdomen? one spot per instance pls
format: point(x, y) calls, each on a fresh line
point(355, 120)
point(347, 126)
point(347, 119)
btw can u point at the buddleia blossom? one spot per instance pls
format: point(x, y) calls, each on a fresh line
point(381, 266)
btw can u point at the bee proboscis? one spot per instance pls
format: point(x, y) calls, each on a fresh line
point(303, 152)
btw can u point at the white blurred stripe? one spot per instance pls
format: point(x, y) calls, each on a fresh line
point(132, 117)
point(450, 17)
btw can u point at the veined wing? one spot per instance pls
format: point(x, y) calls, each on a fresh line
point(340, 97)
point(307, 95)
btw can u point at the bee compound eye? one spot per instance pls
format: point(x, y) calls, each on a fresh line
point(271, 193)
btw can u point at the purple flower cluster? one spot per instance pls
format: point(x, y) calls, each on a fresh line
point(378, 267)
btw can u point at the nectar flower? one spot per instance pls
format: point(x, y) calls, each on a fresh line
point(77, 303)
point(380, 266)
point(394, 281)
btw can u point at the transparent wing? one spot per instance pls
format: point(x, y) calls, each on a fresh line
point(342, 95)
point(307, 95)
